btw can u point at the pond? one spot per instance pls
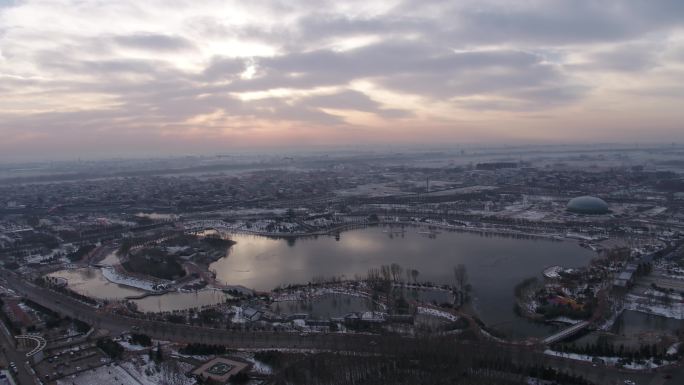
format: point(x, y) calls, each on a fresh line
point(180, 300)
point(91, 282)
point(495, 264)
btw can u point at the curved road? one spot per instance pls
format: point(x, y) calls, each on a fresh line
point(359, 343)
point(186, 333)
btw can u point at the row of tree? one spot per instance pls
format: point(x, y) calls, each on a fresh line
point(421, 362)
point(393, 274)
point(603, 348)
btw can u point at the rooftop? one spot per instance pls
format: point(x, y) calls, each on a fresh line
point(219, 369)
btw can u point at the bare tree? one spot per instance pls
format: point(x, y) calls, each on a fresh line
point(373, 274)
point(396, 270)
point(171, 373)
point(414, 275)
point(461, 276)
point(386, 273)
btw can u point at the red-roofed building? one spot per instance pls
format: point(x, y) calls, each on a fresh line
point(20, 318)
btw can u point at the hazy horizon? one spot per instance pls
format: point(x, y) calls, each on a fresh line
point(160, 78)
point(456, 149)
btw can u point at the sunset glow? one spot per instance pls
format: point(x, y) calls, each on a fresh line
point(165, 77)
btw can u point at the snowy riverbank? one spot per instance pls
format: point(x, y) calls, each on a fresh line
point(115, 277)
point(651, 305)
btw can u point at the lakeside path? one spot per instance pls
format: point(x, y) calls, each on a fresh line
point(337, 342)
point(352, 226)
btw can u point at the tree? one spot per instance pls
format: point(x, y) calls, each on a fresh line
point(290, 214)
point(396, 270)
point(239, 378)
point(141, 339)
point(386, 273)
point(158, 356)
point(414, 275)
point(461, 276)
point(373, 274)
point(110, 347)
point(171, 374)
point(126, 246)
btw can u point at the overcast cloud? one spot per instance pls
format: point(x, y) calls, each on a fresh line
point(172, 75)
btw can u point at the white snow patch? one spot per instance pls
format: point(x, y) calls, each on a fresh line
point(259, 366)
point(113, 276)
point(566, 320)
point(150, 373)
point(436, 313)
point(672, 350)
point(103, 375)
point(132, 347)
point(646, 364)
point(238, 317)
point(674, 309)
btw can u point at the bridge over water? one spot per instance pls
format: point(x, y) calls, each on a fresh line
point(565, 333)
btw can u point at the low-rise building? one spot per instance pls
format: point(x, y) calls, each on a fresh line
point(218, 370)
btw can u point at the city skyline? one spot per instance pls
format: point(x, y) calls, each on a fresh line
point(129, 79)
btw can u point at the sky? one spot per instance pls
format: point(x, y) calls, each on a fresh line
point(116, 78)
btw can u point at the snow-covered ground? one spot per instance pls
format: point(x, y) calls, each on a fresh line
point(437, 313)
point(103, 375)
point(238, 317)
point(300, 323)
point(582, 237)
point(611, 320)
point(663, 295)
point(647, 364)
point(259, 366)
point(63, 250)
point(150, 373)
point(553, 272)
point(566, 320)
point(132, 347)
point(374, 316)
point(675, 309)
point(537, 381)
point(113, 276)
point(4, 290)
point(673, 349)
point(176, 249)
point(531, 215)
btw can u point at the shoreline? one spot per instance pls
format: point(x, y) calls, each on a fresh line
point(466, 229)
point(112, 275)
